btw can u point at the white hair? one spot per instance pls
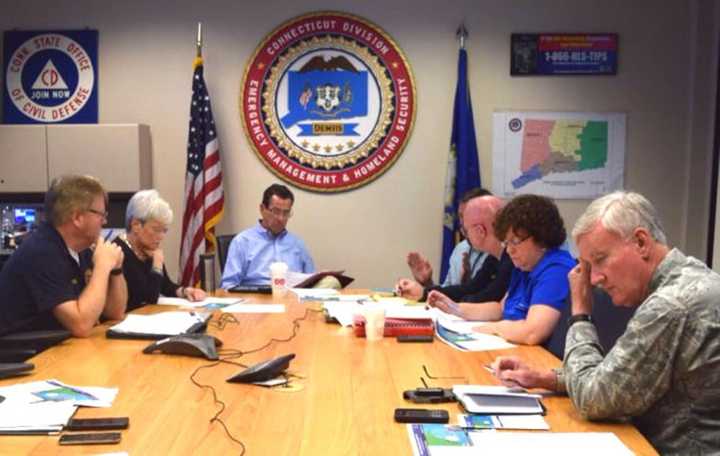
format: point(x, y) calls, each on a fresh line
point(621, 212)
point(147, 205)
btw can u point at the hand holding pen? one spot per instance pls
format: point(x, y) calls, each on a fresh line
point(512, 372)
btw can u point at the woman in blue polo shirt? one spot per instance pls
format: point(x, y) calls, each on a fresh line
point(532, 231)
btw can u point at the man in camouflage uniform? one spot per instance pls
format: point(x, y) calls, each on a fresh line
point(664, 371)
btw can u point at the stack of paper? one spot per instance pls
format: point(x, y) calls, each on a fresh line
point(164, 323)
point(316, 294)
point(34, 418)
point(44, 407)
point(468, 340)
point(254, 308)
point(344, 312)
point(210, 303)
point(442, 440)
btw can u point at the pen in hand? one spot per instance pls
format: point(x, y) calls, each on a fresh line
point(511, 383)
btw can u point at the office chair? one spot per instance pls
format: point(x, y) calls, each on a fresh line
point(20, 346)
point(610, 321)
point(8, 370)
point(223, 245)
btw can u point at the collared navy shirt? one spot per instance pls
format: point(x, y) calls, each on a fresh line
point(40, 275)
point(252, 251)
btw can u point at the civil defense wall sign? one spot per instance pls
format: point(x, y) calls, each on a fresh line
point(328, 101)
point(50, 76)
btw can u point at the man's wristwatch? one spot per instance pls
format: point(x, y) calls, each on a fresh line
point(116, 271)
point(578, 317)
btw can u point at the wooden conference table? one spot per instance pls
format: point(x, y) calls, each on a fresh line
point(345, 407)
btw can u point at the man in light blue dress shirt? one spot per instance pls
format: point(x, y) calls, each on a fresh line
point(252, 251)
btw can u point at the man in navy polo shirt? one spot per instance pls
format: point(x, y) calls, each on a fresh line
point(54, 280)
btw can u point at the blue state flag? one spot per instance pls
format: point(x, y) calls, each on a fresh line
point(325, 96)
point(463, 171)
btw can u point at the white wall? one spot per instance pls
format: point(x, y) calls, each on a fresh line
point(146, 50)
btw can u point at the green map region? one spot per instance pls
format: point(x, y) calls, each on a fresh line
point(558, 146)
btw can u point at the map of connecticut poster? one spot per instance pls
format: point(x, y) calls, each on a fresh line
point(565, 155)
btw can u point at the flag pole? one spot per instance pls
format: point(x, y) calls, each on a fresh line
point(199, 41)
point(463, 171)
point(461, 34)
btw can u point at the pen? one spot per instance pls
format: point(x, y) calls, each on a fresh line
point(490, 369)
point(457, 427)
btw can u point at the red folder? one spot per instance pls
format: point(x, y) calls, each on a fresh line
point(398, 327)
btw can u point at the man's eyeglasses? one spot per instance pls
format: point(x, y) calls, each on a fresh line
point(513, 242)
point(102, 214)
point(277, 212)
point(433, 377)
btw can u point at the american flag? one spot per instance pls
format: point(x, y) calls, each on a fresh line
point(203, 183)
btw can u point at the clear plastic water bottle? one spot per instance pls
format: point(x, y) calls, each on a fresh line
point(7, 227)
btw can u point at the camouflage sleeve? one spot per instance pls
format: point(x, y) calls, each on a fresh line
point(636, 372)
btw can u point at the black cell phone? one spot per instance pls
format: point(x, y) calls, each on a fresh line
point(97, 424)
point(429, 391)
point(408, 415)
point(415, 338)
point(429, 395)
point(95, 438)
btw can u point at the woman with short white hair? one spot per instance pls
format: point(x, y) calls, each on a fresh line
point(146, 220)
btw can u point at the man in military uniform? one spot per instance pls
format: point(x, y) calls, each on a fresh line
point(664, 371)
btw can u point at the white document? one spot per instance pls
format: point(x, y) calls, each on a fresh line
point(438, 314)
point(315, 294)
point(482, 342)
point(523, 422)
point(295, 278)
point(88, 396)
point(254, 308)
point(393, 301)
point(351, 298)
point(453, 322)
point(41, 417)
point(464, 339)
point(545, 444)
point(461, 326)
point(45, 406)
point(343, 312)
point(209, 301)
point(409, 312)
point(164, 323)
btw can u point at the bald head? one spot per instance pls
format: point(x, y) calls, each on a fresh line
point(478, 218)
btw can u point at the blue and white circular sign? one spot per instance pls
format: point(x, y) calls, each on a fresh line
point(51, 78)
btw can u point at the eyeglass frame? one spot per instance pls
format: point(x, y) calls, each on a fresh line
point(277, 212)
point(432, 377)
point(102, 214)
point(514, 243)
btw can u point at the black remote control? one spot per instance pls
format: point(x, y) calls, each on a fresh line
point(408, 415)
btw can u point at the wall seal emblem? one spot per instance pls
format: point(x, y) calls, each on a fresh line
point(328, 101)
